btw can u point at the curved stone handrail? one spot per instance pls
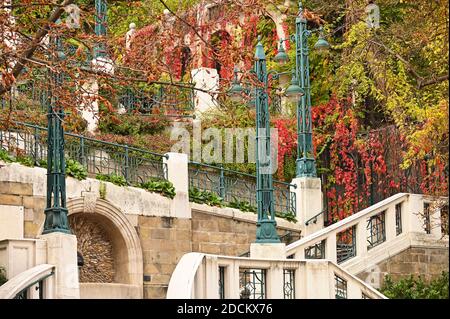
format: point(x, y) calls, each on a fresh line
point(23, 280)
point(344, 224)
point(183, 277)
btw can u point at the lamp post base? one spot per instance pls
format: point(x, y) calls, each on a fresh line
point(266, 232)
point(56, 221)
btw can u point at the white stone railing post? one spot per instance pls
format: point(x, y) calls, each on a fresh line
point(212, 275)
point(413, 210)
point(62, 253)
point(275, 282)
point(309, 203)
point(361, 238)
point(177, 173)
point(330, 247)
point(232, 281)
point(390, 223)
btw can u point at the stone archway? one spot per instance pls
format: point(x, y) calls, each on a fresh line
point(124, 262)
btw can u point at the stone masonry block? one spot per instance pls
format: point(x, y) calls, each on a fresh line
point(14, 200)
point(160, 233)
point(210, 248)
point(16, 188)
point(183, 234)
point(155, 292)
point(34, 202)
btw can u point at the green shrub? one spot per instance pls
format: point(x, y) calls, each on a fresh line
point(118, 180)
point(2, 276)
point(25, 160)
point(242, 206)
point(4, 156)
point(287, 216)
point(204, 197)
point(130, 124)
point(42, 163)
point(416, 288)
point(76, 169)
point(161, 186)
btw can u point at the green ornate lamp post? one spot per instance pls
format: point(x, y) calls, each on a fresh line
point(306, 163)
point(100, 26)
point(56, 210)
point(266, 225)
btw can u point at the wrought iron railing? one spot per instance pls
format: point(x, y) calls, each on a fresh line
point(168, 100)
point(376, 228)
point(316, 251)
point(233, 186)
point(346, 244)
point(99, 157)
point(171, 101)
point(252, 283)
point(289, 283)
point(31, 93)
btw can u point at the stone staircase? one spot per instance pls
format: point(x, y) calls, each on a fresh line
point(345, 260)
point(383, 238)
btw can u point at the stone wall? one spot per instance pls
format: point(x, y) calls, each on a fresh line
point(224, 235)
point(427, 262)
point(21, 194)
point(164, 240)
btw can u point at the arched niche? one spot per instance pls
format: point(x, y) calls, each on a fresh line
point(126, 247)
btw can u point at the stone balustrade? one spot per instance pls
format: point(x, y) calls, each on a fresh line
point(370, 236)
point(204, 276)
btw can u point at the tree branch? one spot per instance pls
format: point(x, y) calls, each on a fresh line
point(28, 53)
point(433, 80)
point(421, 81)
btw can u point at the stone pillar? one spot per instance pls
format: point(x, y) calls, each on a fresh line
point(268, 251)
point(62, 253)
point(309, 203)
point(177, 173)
point(89, 104)
point(205, 79)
